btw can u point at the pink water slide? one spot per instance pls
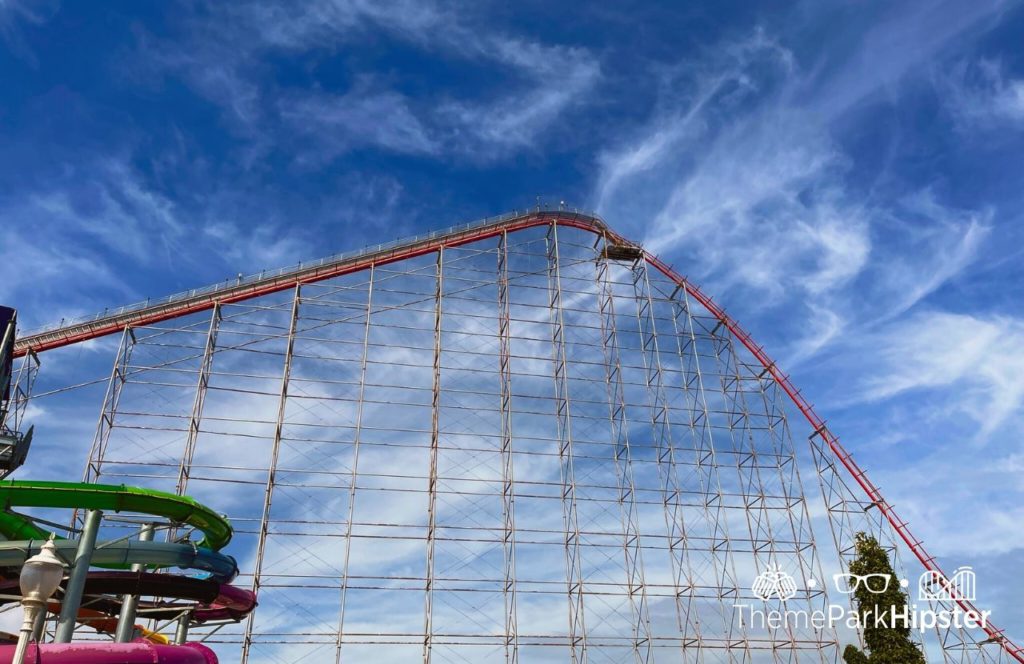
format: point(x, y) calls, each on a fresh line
point(136, 652)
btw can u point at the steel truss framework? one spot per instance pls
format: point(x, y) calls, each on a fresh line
point(510, 442)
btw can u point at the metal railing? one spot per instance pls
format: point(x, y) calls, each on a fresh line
point(70, 330)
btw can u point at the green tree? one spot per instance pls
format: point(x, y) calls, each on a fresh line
point(889, 642)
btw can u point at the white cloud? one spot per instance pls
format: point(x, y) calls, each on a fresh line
point(14, 15)
point(688, 110)
point(108, 221)
point(962, 504)
point(327, 22)
point(114, 223)
point(974, 364)
point(824, 326)
point(228, 66)
point(335, 124)
point(935, 244)
point(741, 179)
point(982, 95)
point(261, 246)
point(557, 78)
point(555, 75)
point(750, 198)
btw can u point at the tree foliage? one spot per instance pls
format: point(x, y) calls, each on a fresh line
point(887, 643)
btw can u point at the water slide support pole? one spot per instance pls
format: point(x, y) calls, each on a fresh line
point(76, 580)
point(130, 603)
point(181, 633)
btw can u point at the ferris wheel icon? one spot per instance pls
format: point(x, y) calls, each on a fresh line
point(774, 583)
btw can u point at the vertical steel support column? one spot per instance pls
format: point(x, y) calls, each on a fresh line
point(507, 476)
point(130, 603)
point(357, 436)
point(573, 564)
point(203, 381)
point(428, 618)
point(709, 479)
point(272, 469)
point(76, 579)
point(21, 391)
point(118, 379)
point(621, 455)
point(672, 490)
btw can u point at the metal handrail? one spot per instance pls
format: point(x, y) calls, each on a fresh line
point(108, 321)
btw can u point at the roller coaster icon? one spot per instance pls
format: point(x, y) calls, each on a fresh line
point(932, 585)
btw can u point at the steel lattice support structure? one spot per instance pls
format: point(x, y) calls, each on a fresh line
point(197, 407)
point(507, 465)
point(672, 488)
point(571, 530)
point(519, 440)
point(622, 460)
point(22, 383)
point(363, 359)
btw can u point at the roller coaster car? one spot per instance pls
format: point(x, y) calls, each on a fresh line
point(622, 252)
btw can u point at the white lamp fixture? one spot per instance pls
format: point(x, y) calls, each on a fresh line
point(40, 577)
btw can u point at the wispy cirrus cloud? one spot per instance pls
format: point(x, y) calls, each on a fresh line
point(981, 357)
point(540, 81)
point(983, 94)
point(555, 78)
point(105, 212)
point(329, 125)
point(14, 15)
point(114, 223)
point(946, 240)
point(748, 192)
point(923, 247)
point(743, 176)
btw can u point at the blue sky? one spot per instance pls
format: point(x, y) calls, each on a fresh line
point(844, 179)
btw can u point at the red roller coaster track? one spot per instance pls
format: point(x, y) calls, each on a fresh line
point(263, 285)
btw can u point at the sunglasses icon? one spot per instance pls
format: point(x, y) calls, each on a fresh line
point(847, 582)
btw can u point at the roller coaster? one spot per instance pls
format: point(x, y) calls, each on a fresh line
point(546, 296)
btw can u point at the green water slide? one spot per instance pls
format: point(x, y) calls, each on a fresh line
point(25, 537)
point(118, 498)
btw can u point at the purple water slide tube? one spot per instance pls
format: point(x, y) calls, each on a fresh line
point(217, 601)
point(136, 652)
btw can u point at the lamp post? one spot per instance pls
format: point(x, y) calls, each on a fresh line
point(40, 576)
